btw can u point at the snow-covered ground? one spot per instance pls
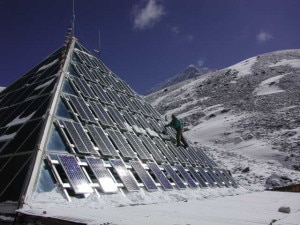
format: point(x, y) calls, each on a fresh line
point(213, 105)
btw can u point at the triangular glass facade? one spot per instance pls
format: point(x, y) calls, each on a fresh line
point(72, 123)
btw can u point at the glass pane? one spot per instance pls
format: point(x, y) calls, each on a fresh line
point(55, 142)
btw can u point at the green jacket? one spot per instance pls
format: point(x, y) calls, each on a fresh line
point(175, 123)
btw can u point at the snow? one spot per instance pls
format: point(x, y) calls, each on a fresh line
point(19, 120)
point(44, 84)
point(295, 63)
point(7, 136)
point(47, 65)
point(247, 205)
point(244, 67)
point(269, 86)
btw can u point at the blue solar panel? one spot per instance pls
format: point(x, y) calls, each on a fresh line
point(116, 98)
point(104, 178)
point(105, 151)
point(187, 155)
point(143, 175)
point(165, 183)
point(216, 177)
point(177, 153)
point(76, 139)
point(102, 115)
point(229, 177)
point(75, 175)
point(170, 156)
point(84, 137)
point(101, 94)
point(82, 109)
point(84, 88)
point(186, 176)
point(125, 176)
point(206, 176)
point(121, 143)
point(174, 176)
point(137, 145)
point(202, 182)
point(117, 117)
point(105, 144)
point(153, 149)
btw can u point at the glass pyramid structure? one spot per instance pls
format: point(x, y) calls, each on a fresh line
point(70, 123)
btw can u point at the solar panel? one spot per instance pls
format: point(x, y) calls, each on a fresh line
point(84, 137)
point(84, 88)
point(76, 138)
point(142, 121)
point(75, 175)
point(153, 149)
point(103, 141)
point(165, 183)
point(177, 153)
point(102, 175)
point(170, 156)
point(127, 100)
point(102, 115)
point(186, 176)
point(229, 177)
point(135, 142)
point(117, 117)
point(127, 88)
point(206, 176)
point(204, 157)
point(222, 177)
point(114, 83)
point(86, 72)
point(202, 182)
point(174, 176)
point(143, 175)
point(215, 177)
point(187, 155)
point(125, 176)
point(82, 109)
point(101, 94)
point(105, 150)
point(140, 106)
point(121, 143)
point(116, 99)
point(156, 125)
point(100, 77)
point(152, 111)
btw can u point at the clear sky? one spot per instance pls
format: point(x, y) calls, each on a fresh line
point(147, 41)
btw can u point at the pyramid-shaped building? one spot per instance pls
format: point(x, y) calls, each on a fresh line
point(70, 123)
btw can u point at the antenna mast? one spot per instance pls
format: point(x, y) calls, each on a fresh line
point(73, 21)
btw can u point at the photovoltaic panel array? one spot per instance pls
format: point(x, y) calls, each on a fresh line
point(143, 175)
point(174, 176)
point(126, 177)
point(154, 168)
point(75, 174)
point(119, 139)
point(104, 178)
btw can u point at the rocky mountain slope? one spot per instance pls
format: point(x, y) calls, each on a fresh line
point(190, 72)
point(251, 109)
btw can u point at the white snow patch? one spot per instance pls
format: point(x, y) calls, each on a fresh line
point(7, 136)
point(47, 65)
point(244, 67)
point(19, 120)
point(268, 86)
point(44, 84)
point(292, 62)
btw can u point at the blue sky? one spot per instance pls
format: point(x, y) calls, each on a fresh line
point(147, 41)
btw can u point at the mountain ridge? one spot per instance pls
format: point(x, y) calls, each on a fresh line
point(191, 71)
point(258, 98)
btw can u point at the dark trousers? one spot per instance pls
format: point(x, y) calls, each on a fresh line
point(179, 138)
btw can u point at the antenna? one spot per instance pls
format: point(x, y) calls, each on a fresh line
point(98, 51)
point(73, 21)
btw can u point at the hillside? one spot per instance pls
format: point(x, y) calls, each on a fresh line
point(246, 112)
point(190, 72)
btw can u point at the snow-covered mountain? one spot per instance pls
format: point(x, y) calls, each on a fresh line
point(2, 88)
point(190, 72)
point(245, 113)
